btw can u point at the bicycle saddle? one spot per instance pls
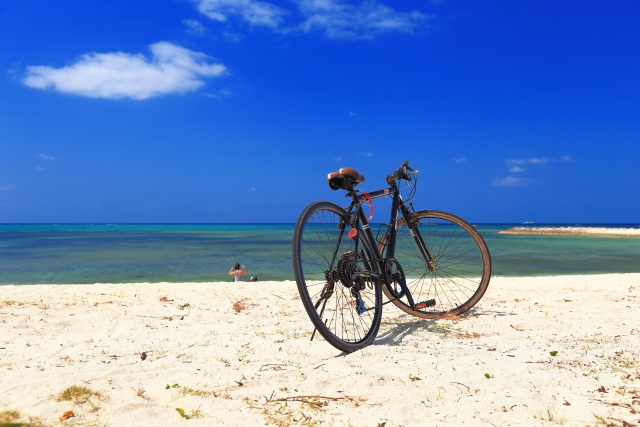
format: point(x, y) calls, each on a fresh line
point(344, 178)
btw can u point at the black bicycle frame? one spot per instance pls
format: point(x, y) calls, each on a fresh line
point(396, 205)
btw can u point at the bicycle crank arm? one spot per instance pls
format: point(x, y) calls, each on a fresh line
point(405, 291)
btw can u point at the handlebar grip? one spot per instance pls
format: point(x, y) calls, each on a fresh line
point(392, 178)
point(400, 173)
point(397, 175)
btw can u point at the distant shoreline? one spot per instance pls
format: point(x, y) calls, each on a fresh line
point(575, 231)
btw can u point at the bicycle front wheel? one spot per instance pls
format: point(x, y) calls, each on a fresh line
point(458, 275)
point(344, 304)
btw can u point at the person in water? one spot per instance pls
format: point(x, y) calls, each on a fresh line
point(237, 272)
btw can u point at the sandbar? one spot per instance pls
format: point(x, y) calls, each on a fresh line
point(575, 231)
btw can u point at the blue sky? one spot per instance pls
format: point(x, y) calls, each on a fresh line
point(235, 110)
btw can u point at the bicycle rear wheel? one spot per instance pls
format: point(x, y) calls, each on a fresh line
point(344, 304)
point(457, 279)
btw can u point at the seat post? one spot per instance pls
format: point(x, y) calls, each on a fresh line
point(353, 193)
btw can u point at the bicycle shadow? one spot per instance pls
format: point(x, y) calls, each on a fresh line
point(478, 311)
point(406, 324)
point(399, 329)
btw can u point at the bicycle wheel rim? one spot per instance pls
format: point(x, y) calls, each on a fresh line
point(317, 238)
point(462, 271)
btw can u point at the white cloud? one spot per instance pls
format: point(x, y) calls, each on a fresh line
point(232, 37)
point(7, 187)
point(351, 113)
point(335, 18)
point(532, 161)
point(342, 20)
point(194, 27)
point(367, 154)
point(516, 169)
point(253, 12)
point(338, 159)
point(117, 75)
point(44, 157)
point(38, 168)
point(459, 159)
point(566, 158)
point(510, 181)
point(221, 94)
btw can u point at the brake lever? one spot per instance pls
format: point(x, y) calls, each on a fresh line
point(407, 175)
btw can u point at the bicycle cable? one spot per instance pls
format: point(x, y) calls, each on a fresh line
point(413, 190)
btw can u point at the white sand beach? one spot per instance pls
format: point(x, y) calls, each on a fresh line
point(239, 354)
point(575, 231)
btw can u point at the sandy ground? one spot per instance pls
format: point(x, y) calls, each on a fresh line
point(255, 365)
point(575, 231)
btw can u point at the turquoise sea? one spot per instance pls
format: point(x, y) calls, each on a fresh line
point(120, 253)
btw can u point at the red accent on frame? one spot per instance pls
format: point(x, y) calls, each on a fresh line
point(367, 198)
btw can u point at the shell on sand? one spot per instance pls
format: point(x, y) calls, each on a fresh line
point(239, 354)
point(575, 231)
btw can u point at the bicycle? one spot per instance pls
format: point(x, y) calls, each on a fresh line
point(429, 264)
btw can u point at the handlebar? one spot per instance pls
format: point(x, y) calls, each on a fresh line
point(400, 173)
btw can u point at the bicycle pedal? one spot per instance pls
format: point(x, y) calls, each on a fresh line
point(360, 307)
point(425, 304)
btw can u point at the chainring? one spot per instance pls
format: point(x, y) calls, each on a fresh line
point(394, 274)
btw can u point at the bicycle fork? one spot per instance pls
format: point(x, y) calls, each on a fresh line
point(412, 226)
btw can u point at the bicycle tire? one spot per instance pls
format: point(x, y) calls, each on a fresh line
point(462, 271)
point(315, 241)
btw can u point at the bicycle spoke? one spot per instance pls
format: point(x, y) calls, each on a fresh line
point(458, 276)
point(322, 244)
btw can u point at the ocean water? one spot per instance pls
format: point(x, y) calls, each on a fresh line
point(121, 253)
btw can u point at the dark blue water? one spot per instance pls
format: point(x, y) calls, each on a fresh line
point(118, 253)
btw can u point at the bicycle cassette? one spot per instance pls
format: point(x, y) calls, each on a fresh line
point(346, 267)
